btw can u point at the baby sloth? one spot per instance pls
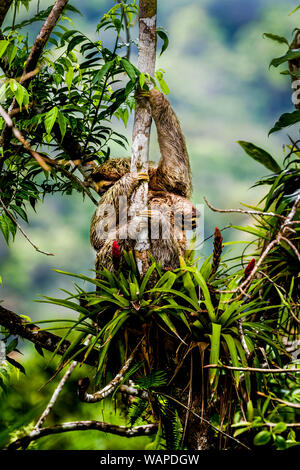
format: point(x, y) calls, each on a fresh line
point(170, 212)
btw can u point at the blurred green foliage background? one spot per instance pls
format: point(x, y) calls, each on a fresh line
point(222, 91)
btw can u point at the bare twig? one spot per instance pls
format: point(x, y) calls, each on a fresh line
point(55, 395)
point(288, 220)
point(72, 177)
point(286, 403)
point(245, 284)
point(22, 231)
point(58, 390)
point(292, 246)
point(243, 211)
point(108, 389)
point(42, 39)
point(145, 430)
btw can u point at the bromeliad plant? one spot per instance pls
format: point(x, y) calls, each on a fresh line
point(188, 315)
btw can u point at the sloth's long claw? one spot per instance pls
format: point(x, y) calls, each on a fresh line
point(143, 176)
point(146, 213)
point(142, 94)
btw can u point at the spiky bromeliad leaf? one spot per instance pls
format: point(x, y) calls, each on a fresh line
point(214, 353)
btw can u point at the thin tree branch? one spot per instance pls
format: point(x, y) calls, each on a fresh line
point(243, 287)
point(245, 284)
point(292, 246)
point(19, 326)
point(243, 211)
point(108, 389)
point(72, 177)
point(42, 39)
point(286, 403)
point(55, 395)
point(19, 136)
point(22, 231)
point(145, 430)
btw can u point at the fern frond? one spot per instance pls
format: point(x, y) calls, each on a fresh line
point(136, 410)
point(156, 379)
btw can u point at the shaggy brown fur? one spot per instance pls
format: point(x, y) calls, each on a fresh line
point(168, 197)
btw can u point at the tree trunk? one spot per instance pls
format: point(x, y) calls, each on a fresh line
point(142, 127)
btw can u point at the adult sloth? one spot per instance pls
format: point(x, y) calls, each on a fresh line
point(170, 210)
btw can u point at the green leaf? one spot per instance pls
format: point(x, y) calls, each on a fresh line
point(276, 38)
point(129, 69)
point(142, 80)
point(253, 231)
point(102, 72)
point(206, 294)
point(4, 227)
point(280, 427)
point(164, 86)
point(20, 211)
point(297, 8)
point(285, 120)
point(214, 352)
point(262, 438)
point(3, 46)
point(146, 278)
point(233, 356)
point(50, 119)
point(74, 42)
point(69, 77)
point(290, 55)
point(62, 122)
point(11, 53)
point(16, 364)
point(260, 156)
point(165, 39)
point(250, 410)
point(280, 442)
point(19, 94)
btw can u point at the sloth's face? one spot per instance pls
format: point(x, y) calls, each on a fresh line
point(103, 186)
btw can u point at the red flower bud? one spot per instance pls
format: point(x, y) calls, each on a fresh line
point(250, 267)
point(116, 252)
